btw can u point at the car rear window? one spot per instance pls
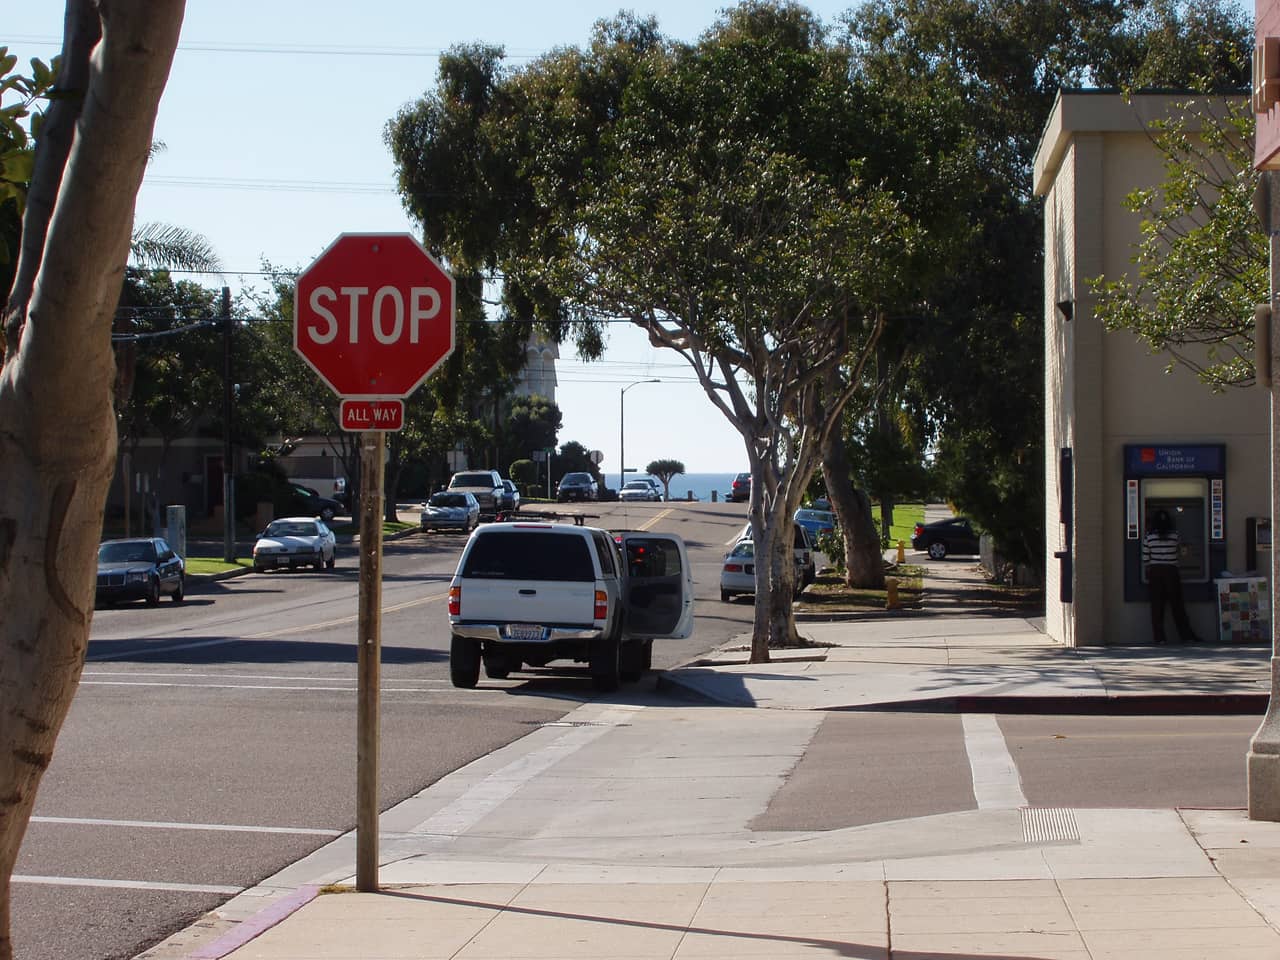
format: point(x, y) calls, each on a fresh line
point(471, 480)
point(448, 500)
point(529, 555)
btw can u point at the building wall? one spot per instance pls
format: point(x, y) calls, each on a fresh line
point(1105, 390)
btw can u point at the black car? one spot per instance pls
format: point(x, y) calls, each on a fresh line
point(944, 537)
point(740, 489)
point(305, 500)
point(139, 569)
point(577, 486)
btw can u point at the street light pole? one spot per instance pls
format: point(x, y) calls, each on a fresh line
point(622, 431)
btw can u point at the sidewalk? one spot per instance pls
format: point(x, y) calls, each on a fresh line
point(623, 830)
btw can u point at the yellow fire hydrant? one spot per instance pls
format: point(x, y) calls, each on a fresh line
point(902, 552)
point(891, 593)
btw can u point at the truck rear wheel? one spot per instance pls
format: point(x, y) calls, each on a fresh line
point(605, 663)
point(464, 662)
point(631, 661)
point(499, 664)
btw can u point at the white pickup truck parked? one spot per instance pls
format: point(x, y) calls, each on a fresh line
point(530, 593)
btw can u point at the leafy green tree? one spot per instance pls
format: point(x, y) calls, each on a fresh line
point(525, 475)
point(987, 74)
point(20, 123)
point(532, 423)
point(573, 457)
point(727, 196)
point(1201, 262)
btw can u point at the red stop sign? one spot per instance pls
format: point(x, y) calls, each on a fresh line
point(373, 315)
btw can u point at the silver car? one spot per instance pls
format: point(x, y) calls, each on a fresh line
point(738, 574)
point(450, 510)
point(292, 542)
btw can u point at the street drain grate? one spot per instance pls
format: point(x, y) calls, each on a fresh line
point(1048, 824)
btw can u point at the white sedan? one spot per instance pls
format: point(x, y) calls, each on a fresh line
point(738, 574)
point(293, 542)
point(638, 490)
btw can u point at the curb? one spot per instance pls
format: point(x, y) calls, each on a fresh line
point(256, 925)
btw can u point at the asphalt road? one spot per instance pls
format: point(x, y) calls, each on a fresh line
point(213, 742)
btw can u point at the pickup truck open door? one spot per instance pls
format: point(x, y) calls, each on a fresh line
point(658, 586)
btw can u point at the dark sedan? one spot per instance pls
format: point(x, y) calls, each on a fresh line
point(944, 537)
point(309, 502)
point(139, 569)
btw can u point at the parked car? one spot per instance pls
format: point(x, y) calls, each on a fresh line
point(577, 486)
point(510, 501)
point(295, 542)
point(308, 500)
point(143, 568)
point(738, 573)
point(817, 522)
point(450, 510)
point(945, 537)
point(740, 489)
point(802, 547)
point(485, 485)
point(655, 483)
point(639, 490)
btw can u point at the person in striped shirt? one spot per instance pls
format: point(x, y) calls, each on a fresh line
point(1160, 548)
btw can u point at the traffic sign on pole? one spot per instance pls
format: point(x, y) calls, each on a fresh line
point(374, 317)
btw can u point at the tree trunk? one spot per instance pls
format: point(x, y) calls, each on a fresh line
point(58, 448)
point(863, 560)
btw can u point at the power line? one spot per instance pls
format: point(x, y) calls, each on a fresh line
point(280, 186)
point(286, 49)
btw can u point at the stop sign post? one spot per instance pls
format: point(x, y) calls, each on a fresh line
point(373, 317)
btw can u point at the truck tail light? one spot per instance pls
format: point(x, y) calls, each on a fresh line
point(455, 601)
point(602, 605)
point(919, 530)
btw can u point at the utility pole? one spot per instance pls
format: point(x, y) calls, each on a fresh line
point(1264, 748)
point(228, 465)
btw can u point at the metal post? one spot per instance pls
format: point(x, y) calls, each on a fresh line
point(622, 431)
point(369, 659)
point(1264, 749)
point(228, 464)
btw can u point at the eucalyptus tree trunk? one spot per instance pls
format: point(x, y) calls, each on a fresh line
point(58, 441)
point(863, 561)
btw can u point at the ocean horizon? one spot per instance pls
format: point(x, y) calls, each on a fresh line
point(700, 485)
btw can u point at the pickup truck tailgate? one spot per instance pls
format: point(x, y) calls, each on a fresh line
point(528, 601)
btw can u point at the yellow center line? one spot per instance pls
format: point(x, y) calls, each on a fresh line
point(306, 628)
point(648, 524)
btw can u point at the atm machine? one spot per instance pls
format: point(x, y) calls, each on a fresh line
point(1189, 483)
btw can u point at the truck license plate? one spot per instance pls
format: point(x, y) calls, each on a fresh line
point(525, 631)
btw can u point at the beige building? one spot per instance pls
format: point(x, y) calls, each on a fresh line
point(1123, 438)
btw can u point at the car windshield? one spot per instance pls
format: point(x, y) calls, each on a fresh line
point(291, 528)
point(576, 478)
point(447, 500)
point(819, 516)
point(636, 485)
point(140, 551)
point(744, 549)
point(471, 480)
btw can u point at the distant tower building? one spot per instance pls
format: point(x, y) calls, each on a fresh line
point(539, 374)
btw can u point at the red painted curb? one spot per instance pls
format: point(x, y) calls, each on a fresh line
point(258, 924)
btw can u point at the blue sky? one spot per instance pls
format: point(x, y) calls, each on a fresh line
point(272, 123)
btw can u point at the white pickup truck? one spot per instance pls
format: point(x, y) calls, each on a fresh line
point(530, 593)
